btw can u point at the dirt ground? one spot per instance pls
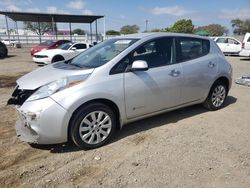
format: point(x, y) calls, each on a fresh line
point(190, 147)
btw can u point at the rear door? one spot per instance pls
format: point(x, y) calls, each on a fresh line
point(198, 65)
point(157, 88)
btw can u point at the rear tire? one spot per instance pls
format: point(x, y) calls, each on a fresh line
point(92, 126)
point(217, 96)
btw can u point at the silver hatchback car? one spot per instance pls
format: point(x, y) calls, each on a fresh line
point(118, 81)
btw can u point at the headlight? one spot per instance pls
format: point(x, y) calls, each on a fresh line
point(58, 85)
point(41, 56)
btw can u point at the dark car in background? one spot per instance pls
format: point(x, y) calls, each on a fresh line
point(3, 50)
point(48, 44)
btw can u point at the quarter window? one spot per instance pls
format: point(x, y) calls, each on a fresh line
point(191, 48)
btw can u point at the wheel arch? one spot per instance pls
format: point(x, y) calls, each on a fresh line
point(225, 80)
point(57, 56)
point(107, 102)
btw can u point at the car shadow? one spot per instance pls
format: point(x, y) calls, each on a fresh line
point(141, 125)
point(245, 59)
point(9, 56)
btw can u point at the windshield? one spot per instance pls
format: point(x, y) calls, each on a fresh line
point(102, 53)
point(65, 46)
point(47, 43)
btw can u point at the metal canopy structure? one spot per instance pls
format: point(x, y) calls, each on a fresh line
point(42, 17)
point(53, 18)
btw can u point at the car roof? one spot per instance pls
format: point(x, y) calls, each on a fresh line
point(159, 34)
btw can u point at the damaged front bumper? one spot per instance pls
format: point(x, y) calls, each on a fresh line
point(42, 122)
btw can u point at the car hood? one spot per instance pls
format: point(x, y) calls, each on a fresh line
point(51, 52)
point(50, 73)
point(39, 47)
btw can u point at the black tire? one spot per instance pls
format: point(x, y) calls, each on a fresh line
point(6, 53)
point(83, 113)
point(57, 58)
point(208, 104)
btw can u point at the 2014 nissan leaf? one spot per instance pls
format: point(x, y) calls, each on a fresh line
point(116, 82)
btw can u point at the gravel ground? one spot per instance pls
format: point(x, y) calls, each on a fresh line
point(190, 147)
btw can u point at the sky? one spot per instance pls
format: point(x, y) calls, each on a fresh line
point(159, 13)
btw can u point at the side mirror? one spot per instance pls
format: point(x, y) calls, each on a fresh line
point(139, 65)
point(73, 48)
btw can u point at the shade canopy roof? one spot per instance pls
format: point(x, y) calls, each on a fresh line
point(42, 17)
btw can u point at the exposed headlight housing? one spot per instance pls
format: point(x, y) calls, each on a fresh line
point(58, 85)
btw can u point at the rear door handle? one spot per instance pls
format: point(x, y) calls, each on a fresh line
point(211, 64)
point(174, 73)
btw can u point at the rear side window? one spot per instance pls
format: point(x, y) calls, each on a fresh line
point(191, 48)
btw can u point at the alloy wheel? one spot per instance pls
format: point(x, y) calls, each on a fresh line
point(95, 127)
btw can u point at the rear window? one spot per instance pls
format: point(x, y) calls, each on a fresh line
point(191, 48)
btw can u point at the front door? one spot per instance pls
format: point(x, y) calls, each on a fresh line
point(157, 88)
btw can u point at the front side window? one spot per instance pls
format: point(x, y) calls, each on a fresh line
point(232, 41)
point(156, 53)
point(80, 46)
point(191, 48)
point(102, 53)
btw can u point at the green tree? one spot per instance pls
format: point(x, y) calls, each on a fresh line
point(129, 29)
point(240, 27)
point(112, 32)
point(78, 31)
point(44, 27)
point(213, 29)
point(182, 26)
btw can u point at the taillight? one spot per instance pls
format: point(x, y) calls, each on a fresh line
point(243, 45)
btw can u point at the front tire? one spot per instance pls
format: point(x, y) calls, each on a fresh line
point(57, 58)
point(217, 96)
point(92, 126)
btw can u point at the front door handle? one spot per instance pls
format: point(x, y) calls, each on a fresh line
point(211, 64)
point(174, 73)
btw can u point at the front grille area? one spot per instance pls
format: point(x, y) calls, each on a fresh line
point(19, 96)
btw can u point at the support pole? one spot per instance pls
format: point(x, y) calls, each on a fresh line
point(53, 29)
point(17, 33)
point(39, 29)
point(104, 28)
point(91, 33)
point(7, 27)
point(70, 31)
point(56, 31)
point(96, 39)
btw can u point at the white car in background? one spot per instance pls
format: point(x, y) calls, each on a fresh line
point(64, 52)
point(228, 45)
point(245, 46)
point(11, 42)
